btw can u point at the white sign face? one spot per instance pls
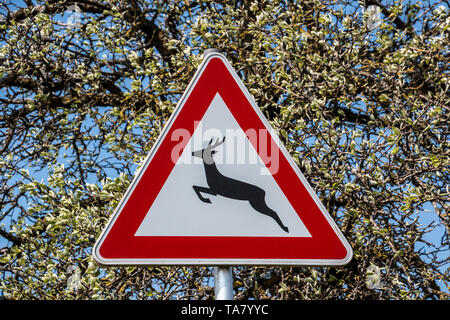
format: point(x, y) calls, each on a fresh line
point(177, 211)
point(219, 188)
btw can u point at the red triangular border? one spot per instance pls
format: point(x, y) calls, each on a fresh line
point(118, 245)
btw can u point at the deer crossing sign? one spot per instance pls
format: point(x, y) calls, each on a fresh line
point(219, 188)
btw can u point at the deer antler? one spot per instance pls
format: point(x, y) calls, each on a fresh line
point(215, 144)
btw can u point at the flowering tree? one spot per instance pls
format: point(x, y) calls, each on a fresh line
point(357, 91)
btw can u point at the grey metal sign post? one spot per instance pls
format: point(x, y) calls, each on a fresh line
point(223, 283)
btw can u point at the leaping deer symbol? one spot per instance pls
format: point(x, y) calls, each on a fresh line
point(230, 188)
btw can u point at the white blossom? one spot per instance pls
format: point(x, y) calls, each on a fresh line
point(373, 17)
point(74, 281)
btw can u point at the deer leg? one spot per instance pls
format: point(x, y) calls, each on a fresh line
point(261, 206)
point(199, 189)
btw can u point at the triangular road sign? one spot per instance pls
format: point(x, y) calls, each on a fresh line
point(219, 188)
